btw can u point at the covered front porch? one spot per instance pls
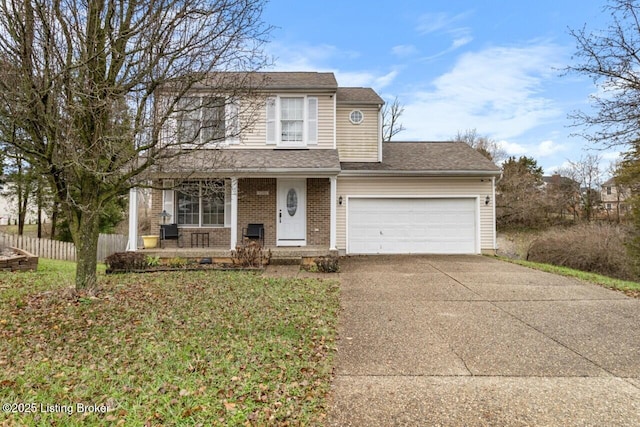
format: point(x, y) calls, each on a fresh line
point(296, 215)
point(214, 196)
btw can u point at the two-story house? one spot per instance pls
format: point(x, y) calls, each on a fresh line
point(312, 169)
point(614, 198)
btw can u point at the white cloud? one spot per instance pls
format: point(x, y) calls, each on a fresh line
point(439, 22)
point(447, 25)
point(513, 148)
point(548, 148)
point(461, 41)
point(404, 50)
point(305, 57)
point(498, 91)
point(543, 149)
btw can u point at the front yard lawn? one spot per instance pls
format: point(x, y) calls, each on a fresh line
point(176, 348)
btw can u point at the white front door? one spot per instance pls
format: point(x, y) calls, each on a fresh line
point(291, 215)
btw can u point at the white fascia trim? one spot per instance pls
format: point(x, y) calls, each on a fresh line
point(234, 213)
point(431, 173)
point(333, 207)
point(132, 242)
point(335, 122)
point(493, 207)
point(380, 133)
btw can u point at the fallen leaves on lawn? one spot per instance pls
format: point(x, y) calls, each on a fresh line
point(211, 347)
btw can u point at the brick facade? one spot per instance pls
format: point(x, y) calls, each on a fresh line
point(257, 205)
point(318, 211)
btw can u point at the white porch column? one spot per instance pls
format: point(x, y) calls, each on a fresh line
point(132, 243)
point(332, 217)
point(234, 213)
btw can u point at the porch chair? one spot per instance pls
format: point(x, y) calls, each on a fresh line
point(170, 232)
point(254, 232)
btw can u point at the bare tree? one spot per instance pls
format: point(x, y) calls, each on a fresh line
point(586, 171)
point(483, 144)
point(95, 85)
point(611, 59)
point(562, 195)
point(391, 125)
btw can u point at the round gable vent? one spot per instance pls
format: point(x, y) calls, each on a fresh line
point(356, 117)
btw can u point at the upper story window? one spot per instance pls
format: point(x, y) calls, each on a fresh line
point(203, 120)
point(292, 121)
point(608, 190)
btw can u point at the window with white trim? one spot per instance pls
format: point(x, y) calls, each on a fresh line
point(292, 121)
point(205, 120)
point(201, 203)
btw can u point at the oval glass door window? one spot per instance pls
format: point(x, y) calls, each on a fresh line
point(292, 202)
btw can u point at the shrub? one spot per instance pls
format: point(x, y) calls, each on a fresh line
point(177, 262)
point(152, 261)
point(328, 264)
point(126, 261)
point(598, 248)
point(250, 255)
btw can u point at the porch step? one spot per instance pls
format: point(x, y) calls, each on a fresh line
point(285, 260)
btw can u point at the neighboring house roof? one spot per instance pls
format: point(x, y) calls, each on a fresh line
point(358, 95)
point(255, 161)
point(426, 158)
point(560, 180)
point(611, 182)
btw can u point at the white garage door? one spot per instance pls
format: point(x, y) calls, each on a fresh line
point(403, 226)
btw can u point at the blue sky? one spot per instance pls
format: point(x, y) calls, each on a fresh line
point(454, 65)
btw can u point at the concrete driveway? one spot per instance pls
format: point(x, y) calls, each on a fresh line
point(470, 340)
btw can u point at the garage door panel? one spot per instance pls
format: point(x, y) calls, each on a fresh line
point(389, 226)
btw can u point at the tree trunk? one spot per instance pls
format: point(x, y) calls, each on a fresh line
point(54, 219)
point(39, 201)
point(86, 241)
point(22, 210)
point(85, 230)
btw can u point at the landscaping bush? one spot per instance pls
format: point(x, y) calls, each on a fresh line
point(328, 264)
point(250, 254)
point(126, 261)
point(598, 248)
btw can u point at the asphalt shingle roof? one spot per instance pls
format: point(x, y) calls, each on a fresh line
point(358, 95)
point(231, 160)
point(272, 81)
point(426, 157)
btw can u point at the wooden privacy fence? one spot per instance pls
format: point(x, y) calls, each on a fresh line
point(111, 243)
point(66, 251)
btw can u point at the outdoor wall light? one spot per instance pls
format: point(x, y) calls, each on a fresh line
point(487, 200)
point(165, 215)
point(340, 200)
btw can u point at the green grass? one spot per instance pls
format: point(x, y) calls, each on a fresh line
point(621, 285)
point(29, 229)
point(177, 348)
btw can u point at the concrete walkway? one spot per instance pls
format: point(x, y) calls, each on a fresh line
point(473, 341)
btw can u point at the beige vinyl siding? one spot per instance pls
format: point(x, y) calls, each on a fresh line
point(357, 143)
point(255, 135)
point(410, 186)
